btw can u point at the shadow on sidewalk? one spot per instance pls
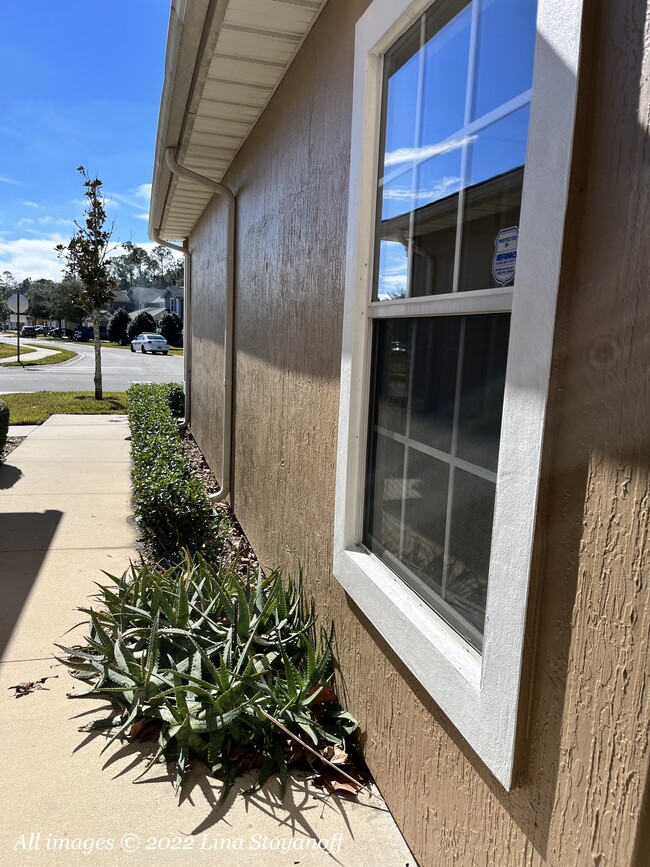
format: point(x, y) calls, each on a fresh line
point(9, 476)
point(25, 538)
point(300, 811)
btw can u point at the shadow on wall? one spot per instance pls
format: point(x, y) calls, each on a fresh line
point(25, 538)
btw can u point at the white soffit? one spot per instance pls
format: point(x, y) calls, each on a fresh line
point(255, 44)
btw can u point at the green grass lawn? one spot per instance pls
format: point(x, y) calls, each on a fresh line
point(61, 355)
point(6, 350)
point(35, 408)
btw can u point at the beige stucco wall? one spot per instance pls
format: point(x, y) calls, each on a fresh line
point(583, 744)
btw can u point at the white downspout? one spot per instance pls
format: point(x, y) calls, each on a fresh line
point(187, 324)
point(229, 198)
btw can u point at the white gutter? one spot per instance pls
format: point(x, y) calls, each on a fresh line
point(229, 198)
point(187, 322)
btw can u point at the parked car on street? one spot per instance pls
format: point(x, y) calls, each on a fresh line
point(55, 332)
point(28, 331)
point(148, 341)
point(88, 333)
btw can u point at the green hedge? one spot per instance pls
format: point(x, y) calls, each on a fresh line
point(4, 424)
point(169, 504)
point(176, 399)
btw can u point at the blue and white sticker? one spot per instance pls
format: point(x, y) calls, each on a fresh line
point(505, 255)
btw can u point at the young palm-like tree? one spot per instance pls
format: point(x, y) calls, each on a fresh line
point(86, 256)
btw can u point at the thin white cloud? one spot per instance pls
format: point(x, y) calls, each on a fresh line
point(32, 257)
point(29, 204)
point(134, 198)
point(143, 192)
point(141, 216)
point(445, 187)
point(409, 155)
point(4, 180)
point(25, 221)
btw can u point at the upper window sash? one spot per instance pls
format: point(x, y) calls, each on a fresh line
point(453, 135)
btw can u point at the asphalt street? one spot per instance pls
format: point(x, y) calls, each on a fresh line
point(119, 369)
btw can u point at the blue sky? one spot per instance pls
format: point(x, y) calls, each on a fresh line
point(81, 84)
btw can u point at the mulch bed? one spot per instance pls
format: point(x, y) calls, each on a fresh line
point(236, 545)
point(10, 445)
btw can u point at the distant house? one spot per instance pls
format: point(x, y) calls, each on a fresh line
point(432, 244)
point(137, 298)
point(174, 297)
point(156, 313)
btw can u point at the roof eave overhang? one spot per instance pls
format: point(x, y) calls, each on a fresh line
point(224, 61)
point(188, 21)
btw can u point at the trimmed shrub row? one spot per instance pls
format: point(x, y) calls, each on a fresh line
point(4, 424)
point(169, 504)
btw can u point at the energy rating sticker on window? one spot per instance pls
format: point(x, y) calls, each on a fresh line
point(454, 126)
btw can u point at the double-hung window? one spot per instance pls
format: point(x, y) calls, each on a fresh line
point(448, 334)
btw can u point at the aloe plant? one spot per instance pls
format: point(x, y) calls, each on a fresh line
point(210, 657)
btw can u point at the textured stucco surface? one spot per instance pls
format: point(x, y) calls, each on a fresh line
point(582, 790)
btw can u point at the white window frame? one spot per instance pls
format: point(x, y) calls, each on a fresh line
point(479, 693)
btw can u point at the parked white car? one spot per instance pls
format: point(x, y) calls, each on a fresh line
point(150, 342)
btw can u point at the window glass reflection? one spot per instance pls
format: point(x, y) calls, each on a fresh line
point(499, 148)
point(393, 270)
point(434, 225)
point(433, 391)
point(386, 489)
point(393, 354)
point(403, 70)
point(505, 46)
point(425, 518)
point(493, 200)
point(485, 353)
point(445, 64)
point(435, 423)
point(449, 163)
point(468, 557)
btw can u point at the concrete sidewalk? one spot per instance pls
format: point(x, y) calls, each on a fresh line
point(37, 351)
point(64, 517)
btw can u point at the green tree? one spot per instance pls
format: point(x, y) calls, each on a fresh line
point(171, 328)
point(118, 326)
point(7, 288)
point(139, 263)
point(86, 255)
point(40, 294)
point(62, 302)
point(163, 260)
point(139, 324)
point(176, 274)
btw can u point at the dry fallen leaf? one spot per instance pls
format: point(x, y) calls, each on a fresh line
point(335, 755)
point(325, 694)
point(329, 780)
point(145, 730)
point(28, 686)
